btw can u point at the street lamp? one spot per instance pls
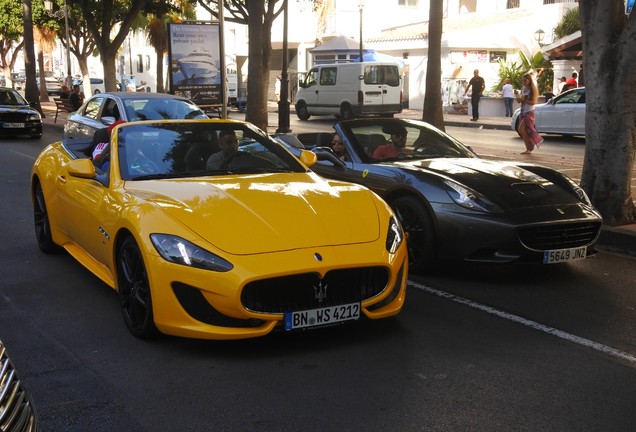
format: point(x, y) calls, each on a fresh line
point(283, 101)
point(361, 7)
point(62, 13)
point(539, 35)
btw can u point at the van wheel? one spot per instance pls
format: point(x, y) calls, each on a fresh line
point(346, 113)
point(301, 111)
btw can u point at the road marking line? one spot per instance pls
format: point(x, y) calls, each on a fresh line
point(532, 324)
point(22, 154)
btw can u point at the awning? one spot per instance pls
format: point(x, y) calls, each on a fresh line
point(566, 48)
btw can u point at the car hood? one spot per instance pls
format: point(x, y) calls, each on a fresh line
point(506, 183)
point(25, 109)
point(266, 213)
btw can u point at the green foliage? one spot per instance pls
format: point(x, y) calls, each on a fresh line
point(11, 20)
point(515, 72)
point(509, 70)
point(570, 23)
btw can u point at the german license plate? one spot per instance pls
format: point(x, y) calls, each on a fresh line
point(13, 125)
point(322, 316)
point(563, 255)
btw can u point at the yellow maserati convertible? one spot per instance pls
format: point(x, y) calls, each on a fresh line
point(211, 229)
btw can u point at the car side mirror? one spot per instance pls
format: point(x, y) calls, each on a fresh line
point(308, 158)
point(108, 120)
point(82, 168)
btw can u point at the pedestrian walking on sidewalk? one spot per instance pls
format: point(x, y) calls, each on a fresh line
point(528, 98)
point(508, 94)
point(478, 84)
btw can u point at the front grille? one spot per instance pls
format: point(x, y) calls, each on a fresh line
point(12, 117)
point(561, 236)
point(16, 412)
point(301, 292)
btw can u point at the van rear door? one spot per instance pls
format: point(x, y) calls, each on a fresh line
point(382, 88)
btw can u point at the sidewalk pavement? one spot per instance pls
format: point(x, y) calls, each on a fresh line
point(620, 239)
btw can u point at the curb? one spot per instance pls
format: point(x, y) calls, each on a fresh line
point(618, 240)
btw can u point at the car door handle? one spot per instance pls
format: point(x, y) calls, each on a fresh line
point(61, 179)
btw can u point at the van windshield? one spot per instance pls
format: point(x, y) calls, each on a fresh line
point(382, 74)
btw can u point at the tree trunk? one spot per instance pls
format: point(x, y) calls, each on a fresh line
point(108, 64)
point(159, 51)
point(609, 61)
point(432, 112)
point(44, 94)
point(256, 87)
point(31, 92)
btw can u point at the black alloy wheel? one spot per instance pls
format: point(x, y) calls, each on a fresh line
point(42, 224)
point(134, 290)
point(420, 234)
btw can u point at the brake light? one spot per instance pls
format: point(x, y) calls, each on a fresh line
point(360, 97)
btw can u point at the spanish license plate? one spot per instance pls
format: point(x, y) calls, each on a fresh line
point(13, 125)
point(322, 316)
point(563, 255)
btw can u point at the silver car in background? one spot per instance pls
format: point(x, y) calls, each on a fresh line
point(563, 114)
point(103, 109)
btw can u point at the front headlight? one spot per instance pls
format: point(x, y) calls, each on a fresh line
point(34, 117)
point(394, 236)
point(470, 199)
point(179, 251)
point(578, 190)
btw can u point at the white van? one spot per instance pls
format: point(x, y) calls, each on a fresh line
point(349, 90)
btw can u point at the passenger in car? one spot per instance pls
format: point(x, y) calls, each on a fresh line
point(101, 152)
point(337, 146)
point(198, 154)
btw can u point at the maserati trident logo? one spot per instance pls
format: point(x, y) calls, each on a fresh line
point(320, 291)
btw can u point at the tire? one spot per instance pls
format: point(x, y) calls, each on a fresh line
point(517, 126)
point(301, 111)
point(134, 290)
point(41, 221)
point(346, 112)
point(418, 225)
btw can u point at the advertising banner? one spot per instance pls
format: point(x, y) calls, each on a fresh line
point(195, 62)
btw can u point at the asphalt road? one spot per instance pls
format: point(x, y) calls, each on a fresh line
point(477, 348)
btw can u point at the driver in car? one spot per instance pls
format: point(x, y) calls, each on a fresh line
point(394, 147)
point(229, 145)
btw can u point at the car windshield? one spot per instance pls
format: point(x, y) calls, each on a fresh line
point(199, 148)
point(393, 139)
point(574, 96)
point(11, 97)
point(160, 109)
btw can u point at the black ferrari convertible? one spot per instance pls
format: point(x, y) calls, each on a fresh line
point(452, 203)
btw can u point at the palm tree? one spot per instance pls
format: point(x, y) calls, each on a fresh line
point(44, 37)
point(156, 25)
